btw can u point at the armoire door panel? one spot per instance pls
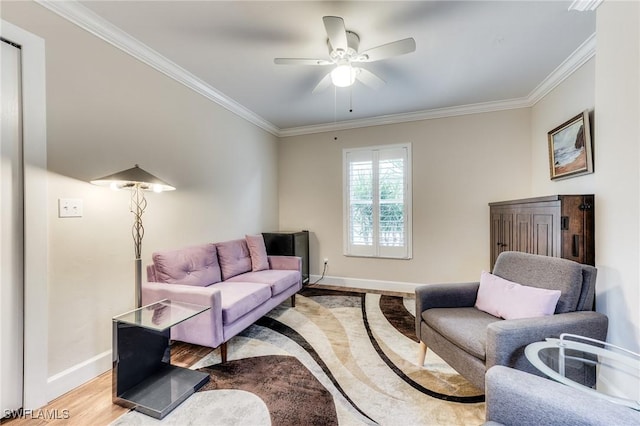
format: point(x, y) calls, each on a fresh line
point(507, 231)
point(501, 230)
point(543, 243)
point(522, 235)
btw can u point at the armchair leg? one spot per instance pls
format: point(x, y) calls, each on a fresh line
point(293, 301)
point(422, 354)
point(223, 352)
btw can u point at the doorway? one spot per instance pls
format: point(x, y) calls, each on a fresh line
point(11, 232)
point(34, 252)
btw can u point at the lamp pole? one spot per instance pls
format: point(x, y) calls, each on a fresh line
point(138, 181)
point(137, 206)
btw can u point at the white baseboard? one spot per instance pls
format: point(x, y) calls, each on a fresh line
point(72, 377)
point(366, 284)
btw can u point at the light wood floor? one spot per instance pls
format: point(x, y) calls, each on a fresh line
point(90, 404)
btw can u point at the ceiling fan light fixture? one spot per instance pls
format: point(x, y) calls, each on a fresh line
point(343, 76)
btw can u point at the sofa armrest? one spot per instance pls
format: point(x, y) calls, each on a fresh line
point(205, 296)
point(207, 325)
point(285, 262)
point(151, 273)
point(507, 339)
point(514, 397)
point(453, 295)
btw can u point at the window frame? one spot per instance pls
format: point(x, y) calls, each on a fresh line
point(376, 250)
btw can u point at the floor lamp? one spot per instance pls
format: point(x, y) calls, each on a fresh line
point(138, 181)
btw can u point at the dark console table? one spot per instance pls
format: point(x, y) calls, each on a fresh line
point(290, 243)
point(143, 377)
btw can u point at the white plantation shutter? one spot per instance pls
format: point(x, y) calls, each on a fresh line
point(377, 205)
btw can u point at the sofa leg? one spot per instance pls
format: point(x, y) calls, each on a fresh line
point(422, 354)
point(293, 301)
point(223, 352)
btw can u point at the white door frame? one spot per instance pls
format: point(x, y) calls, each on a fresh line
point(34, 135)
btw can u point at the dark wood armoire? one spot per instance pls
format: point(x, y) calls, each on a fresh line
point(556, 225)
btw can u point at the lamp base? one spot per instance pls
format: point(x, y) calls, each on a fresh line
point(138, 278)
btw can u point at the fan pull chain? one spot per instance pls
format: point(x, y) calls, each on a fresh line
point(335, 104)
point(351, 98)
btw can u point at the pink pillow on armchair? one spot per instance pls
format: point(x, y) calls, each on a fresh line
point(509, 300)
point(258, 252)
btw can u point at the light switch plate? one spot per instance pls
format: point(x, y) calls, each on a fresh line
point(69, 207)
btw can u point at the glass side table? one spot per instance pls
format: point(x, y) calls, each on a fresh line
point(567, 358)
point(143, 377)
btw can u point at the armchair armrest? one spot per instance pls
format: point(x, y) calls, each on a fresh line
point(514, 397)
point(285, 262)
point(507, 339)
point(453, 295)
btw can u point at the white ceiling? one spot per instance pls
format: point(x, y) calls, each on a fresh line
point(468, 52)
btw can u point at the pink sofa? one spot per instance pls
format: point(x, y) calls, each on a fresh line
point(227, 276)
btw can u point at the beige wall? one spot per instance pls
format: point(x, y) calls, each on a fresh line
point(617, 186)
point(459, 165)
point(105, 112)
point(568, 99)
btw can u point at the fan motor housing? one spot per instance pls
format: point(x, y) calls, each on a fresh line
point(353, 42)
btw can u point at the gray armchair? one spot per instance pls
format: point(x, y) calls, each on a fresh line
point(472, 341)
point(521, 399)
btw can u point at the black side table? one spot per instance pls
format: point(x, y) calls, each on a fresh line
point(143, 377)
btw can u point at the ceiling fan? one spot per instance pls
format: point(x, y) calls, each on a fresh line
point(343, 54)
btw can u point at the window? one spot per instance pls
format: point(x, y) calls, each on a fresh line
point(377, 201)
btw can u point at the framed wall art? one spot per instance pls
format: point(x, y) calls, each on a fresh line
point(570, 150)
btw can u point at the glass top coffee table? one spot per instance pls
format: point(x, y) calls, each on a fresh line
point(574, 360)
point(143, 377)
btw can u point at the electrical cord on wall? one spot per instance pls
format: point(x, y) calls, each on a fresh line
point(323, 271)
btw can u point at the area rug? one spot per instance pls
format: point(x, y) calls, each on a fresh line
point(337, 358)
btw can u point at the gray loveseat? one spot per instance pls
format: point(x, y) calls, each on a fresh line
point(472, 341)
point(515, 398)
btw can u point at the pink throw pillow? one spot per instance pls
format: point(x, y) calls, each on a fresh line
point(258, 252)
point(509, 300)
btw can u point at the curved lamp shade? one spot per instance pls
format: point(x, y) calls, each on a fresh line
point(134, 176)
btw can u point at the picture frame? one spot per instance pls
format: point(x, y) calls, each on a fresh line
point(570, 148)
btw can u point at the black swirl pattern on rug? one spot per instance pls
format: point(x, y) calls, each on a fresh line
point(290, 333)
point(407, 379)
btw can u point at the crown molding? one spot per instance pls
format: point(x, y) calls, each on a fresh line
point(578, 58)
point(86, 19)
point(407, 117)
point(585, 5)
point(98, 26)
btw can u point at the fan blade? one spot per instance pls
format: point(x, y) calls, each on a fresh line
point(323, 84)
point(388, 50)
point(369, 79)
point(301, 61)
point(336, 32)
